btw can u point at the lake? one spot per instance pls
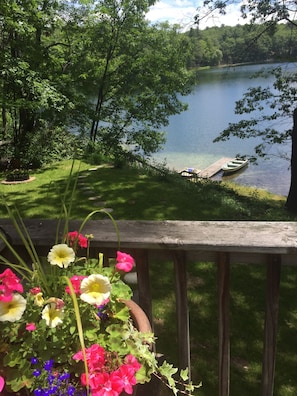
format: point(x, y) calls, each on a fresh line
point(211, 107)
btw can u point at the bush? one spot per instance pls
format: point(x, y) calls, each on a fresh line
point(18, 175)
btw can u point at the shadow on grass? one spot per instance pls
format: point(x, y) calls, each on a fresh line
point(247, 306)
point(134, 194)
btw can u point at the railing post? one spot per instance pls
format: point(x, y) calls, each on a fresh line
point(271, 318)
point(143, 283)
point(224, 323)
point(182, 311)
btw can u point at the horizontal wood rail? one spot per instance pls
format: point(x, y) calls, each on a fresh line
point(272, 244)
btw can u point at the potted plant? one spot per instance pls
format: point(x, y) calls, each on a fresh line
point(66, 326)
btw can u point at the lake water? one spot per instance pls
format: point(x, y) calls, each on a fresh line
point(211, 107)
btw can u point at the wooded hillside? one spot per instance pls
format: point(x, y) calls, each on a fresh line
point(243, 43)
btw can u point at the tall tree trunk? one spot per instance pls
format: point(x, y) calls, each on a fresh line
point(4, 123)
point(291, 203)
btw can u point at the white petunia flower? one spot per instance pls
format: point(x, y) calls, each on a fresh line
point(12, 311)
point(52, 316)
point(61, 255)
point(95, 289)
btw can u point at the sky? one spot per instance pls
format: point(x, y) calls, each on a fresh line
point(182, 12)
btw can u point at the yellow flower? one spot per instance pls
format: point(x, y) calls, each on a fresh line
point(52, 316)
point(61, 255)
point(95, 289)
point(38, 299)
point(13, 310)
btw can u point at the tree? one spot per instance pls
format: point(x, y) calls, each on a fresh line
point(291, 200)
point(136, 72)
point(28, 93)
point(280, 98)
point(94, 64)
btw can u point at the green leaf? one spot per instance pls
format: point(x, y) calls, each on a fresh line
point(123, 314)
point(167, 369)
point(72, 330)
point(184, 374)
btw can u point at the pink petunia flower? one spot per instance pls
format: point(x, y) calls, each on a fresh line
point(30, 326)
point(11, 281)
point(35, 290)
point(2, 383)
point(75, 238)
point(75, 281)
point(125, 262)
point(5, 294)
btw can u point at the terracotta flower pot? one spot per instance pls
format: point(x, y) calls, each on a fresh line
point(142, 324)
point(139, 317)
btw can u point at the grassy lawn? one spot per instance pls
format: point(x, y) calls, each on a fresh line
point(137, 194)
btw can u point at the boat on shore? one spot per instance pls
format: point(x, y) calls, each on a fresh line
point(234, 165)
point(189, 172)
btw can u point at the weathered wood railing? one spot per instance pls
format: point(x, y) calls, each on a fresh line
point(272, 244)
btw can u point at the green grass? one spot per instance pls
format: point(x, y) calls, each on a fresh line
point(247, 307)
point(138, 194)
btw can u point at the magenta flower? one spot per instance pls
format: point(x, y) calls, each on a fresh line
point(2, 383)
point(104, 384)
point(5, 294)
point(107, 377)
point(35, 290)
point(95, 355)
point(127, 375)
point(75, 281)
point(30, 326)
point(132, 361)
point(75, 238)
point(125, 262)
point(9, 283)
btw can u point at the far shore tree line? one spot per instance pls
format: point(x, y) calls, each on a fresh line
point(246, 43)
point(97, 76)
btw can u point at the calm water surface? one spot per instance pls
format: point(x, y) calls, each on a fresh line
point(211, 107)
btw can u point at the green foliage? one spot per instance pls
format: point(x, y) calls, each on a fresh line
point(98, 66)
point(278, 99)
point(243, 43)
point(17, 175)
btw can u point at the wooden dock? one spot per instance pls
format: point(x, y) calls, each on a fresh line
point(213, 169)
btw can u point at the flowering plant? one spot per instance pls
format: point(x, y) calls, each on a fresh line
point(65, 326)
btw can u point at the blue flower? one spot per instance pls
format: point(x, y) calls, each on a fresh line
point(36, 373)
point(64, 376)
point(48, 365)
point(51, 378)
point(101, 312)
point(54, 390)
point(70, 390)
point(34, 360)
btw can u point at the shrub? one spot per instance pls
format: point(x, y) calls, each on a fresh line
point(18, 175)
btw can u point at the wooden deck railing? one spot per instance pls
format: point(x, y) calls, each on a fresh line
point(271, 244)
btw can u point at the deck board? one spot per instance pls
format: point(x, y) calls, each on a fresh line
point(214, 168)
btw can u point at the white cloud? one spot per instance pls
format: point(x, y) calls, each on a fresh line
point(182, 12)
